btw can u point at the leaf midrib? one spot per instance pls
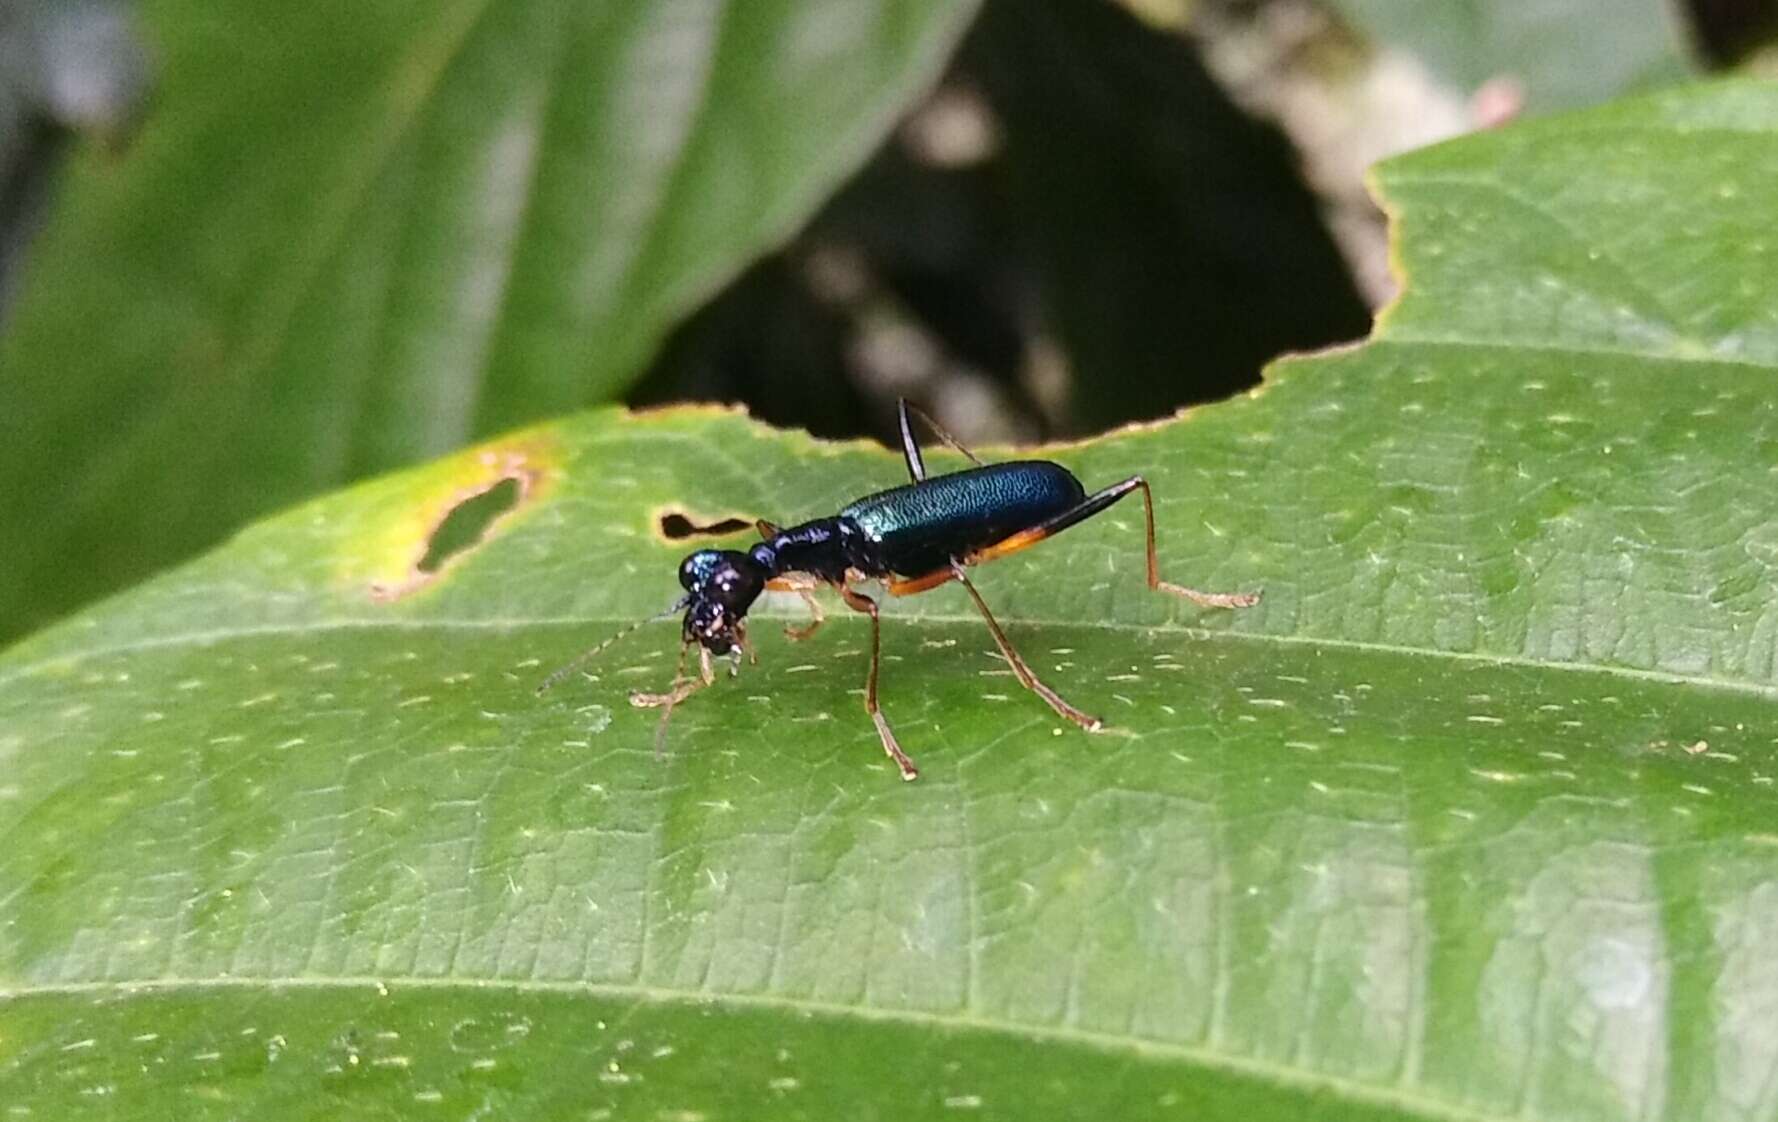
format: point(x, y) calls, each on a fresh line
point(1368, 1094)
point(1767, 691)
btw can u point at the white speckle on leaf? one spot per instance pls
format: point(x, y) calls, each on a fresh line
point(1496, 776)
point(1615, 973)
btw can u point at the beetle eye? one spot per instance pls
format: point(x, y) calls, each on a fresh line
point(696, 568)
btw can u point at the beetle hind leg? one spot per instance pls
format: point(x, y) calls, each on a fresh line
point(1202, 599)
point(1097, 503)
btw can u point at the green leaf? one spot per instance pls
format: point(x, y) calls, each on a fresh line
point(1563, 53)
point(352, 236)
point(1471, 818)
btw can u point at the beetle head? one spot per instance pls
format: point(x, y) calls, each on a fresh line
point(722, 584)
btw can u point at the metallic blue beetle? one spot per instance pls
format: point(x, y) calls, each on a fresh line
point(911, 538)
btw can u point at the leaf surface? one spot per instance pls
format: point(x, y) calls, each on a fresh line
point(1471, 818)
point(351, 238)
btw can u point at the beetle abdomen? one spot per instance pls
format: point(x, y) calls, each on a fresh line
point(918, 528)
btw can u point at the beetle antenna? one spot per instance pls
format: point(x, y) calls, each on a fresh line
point(589, 654)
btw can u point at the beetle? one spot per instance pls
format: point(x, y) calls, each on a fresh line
point(912, 538)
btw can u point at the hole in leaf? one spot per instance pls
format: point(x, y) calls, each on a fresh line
point(464, 526)
point(677, 527)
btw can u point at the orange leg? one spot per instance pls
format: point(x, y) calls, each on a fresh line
point(1026, 678)
point(1091, 506)
point(802, 584)
point(1202, 599)
point(681, 689)
point(899, 586)
point(798, 634)
point(859, 602)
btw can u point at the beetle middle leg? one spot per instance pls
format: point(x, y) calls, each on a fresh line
point(816, 617)
point(803, 585)
point(1026, 677)
point(859, 602)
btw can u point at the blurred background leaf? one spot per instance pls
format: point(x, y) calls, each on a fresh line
point(349, 237)
point(1558, 53)
point(67, 68)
